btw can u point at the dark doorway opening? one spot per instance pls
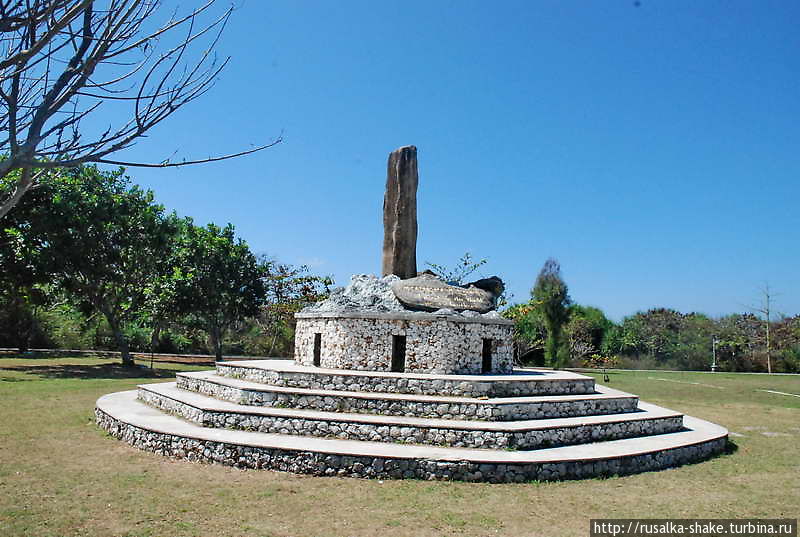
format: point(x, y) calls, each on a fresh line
point(486, 355)
point(317, 349)
point(398, 354)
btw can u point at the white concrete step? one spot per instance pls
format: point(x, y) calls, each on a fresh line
point(123, 416)
point(527, 434)
point(521, 382)
point(604, 401)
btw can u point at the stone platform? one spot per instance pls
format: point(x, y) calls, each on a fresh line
point(529, 425)
point(521, 382)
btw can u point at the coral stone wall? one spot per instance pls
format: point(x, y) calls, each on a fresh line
point(436, 344)
point(318, 463)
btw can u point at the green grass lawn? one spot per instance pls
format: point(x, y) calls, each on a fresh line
point(61, 476)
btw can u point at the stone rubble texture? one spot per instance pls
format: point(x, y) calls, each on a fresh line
point(434, 344)
point(511, 386)
point(347, 430)
point(327, 464)
point(365, 292)
point(374, 403)
point(384, 401)
point(368, 293)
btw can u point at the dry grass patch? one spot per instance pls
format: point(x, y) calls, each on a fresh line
point(61, 476)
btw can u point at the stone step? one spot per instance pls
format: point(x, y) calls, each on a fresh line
point(522, 382)
point(528, 434)
point(605, 401)
point(145, 427)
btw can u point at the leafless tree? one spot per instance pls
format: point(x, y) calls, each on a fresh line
point(765, 309)
point(64, 60)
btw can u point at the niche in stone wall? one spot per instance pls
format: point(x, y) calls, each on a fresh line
point(398, 354)
point(486, 356)
point(317, 349)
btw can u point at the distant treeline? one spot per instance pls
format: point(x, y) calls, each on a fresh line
point(662, 338)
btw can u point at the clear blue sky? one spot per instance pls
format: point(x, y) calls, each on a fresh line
point(653, 149)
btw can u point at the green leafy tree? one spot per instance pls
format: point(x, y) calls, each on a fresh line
point(221, 280)
point(651, 334)
point(691, 349)
point(530, 332)
point(666, 338)
point(586, 331)
point(551, 294)
point(21, 285)
point(787, 342)
point(101, 240)
point(163, 307)
point(288, 290)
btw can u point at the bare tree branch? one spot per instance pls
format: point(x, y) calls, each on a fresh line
point(62, 60)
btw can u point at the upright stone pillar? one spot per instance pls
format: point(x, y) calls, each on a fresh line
point(400, 214)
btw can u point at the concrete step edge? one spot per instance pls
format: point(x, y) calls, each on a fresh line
point(208, 403)
point(124, 407)
point(519, 374)
point(602, 392)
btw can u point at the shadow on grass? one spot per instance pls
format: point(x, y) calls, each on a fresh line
point(99, 371)
point(143, 356)
point(33, 355)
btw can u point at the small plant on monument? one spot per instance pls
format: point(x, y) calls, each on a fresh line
point(458, 274)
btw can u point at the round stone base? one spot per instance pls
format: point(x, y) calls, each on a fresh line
point(122, 416)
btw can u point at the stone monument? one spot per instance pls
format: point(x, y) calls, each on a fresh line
point(400, 214)
point(406, 376)
point(406, 322)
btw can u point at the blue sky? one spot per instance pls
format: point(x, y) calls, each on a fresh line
point(654, 150)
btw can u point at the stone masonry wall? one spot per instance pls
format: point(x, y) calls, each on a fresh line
point(330, 464)
point(413, 434)
point(455, 386)
point(376, 403)
point(434, 344)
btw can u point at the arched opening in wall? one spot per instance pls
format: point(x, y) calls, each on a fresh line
point(398, 354)
point(486, 355)
point(317, 349)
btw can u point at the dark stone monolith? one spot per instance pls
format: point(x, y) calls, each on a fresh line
point(400, 214)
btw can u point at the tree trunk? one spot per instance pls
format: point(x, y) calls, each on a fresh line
point(31, 324)
point(216, 341)
point(23, 330)
point(272, 344)
point(25, 339)
point(155, 337)
point(119, 337)
point(22, 321)
point(25, 182)
point(275, 332)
